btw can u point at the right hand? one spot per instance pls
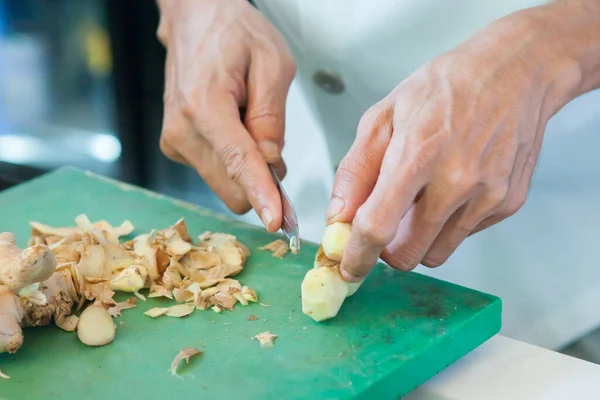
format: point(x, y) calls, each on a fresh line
point(223, 56)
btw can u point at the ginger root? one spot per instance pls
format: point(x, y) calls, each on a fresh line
point(20, 273)
point(323, 288)
point(20, 268)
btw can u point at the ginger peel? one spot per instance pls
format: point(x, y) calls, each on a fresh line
point(67, 268)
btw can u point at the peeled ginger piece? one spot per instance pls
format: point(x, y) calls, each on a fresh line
point(323, 288)
point(334, 240)
point(96, 326)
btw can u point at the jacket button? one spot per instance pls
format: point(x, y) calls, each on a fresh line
point(328, 81)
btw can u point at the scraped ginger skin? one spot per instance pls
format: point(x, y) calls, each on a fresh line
point(323, 288)
point(22, 268)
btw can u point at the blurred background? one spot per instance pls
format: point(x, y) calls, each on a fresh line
point(81, 84)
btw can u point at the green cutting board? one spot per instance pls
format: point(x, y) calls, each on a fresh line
point(396, 332)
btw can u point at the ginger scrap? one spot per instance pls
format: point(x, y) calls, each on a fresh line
point(139, 296)
point(180, 310)
point(249, 294)
point(266, 339)
point(252, 317)
point(171, 278)
point(279, 248)
point(127, 304)
point(142, 248)
point(68, 324)
point(3, 375)
point(92, 262)
point(131, 279)
point(184, 354)
point(156, 312)
point(115, 311)
point(160, 291)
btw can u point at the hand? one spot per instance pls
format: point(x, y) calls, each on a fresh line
point(223, 56)
point(451, 150)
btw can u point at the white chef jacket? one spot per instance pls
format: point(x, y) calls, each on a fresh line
point(542, 262)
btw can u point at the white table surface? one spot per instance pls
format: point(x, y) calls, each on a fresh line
point(504, 368)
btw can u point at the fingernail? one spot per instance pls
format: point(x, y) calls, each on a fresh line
point(348, 277)
point(336, 206)
point(269, 150)
point(267, 217)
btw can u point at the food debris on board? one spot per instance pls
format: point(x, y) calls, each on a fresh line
point(81, 268)
point(252, 317)
point(279, 248)
point(266, 339)
point(3, 375)
point(184, 354)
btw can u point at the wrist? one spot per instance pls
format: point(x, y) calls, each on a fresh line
point(567, 47)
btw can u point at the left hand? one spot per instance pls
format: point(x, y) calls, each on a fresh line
point(451, 150)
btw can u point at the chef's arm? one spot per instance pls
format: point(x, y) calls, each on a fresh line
point(452, 149)
point(571, 35)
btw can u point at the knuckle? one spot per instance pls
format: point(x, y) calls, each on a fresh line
point(289, 67)
point(497, 196)
point(462, 182)
point(357, 165)
point(402, 261)
point(235, 160)
point(263, 114)
point(239, 206)
point(514, 205)
point(166, 149)
point(371, 229)
point(190, 103)
point(170, 138)
point(373, 121)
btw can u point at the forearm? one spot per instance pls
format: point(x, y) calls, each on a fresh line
point(571, 36)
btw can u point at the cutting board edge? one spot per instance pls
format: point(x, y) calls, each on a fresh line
point(489, 322)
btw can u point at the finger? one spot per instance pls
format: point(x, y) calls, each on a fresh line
point(280, 169)
point(219, 122)
point(515, 199)
point(404, 173)
point(357, 173)
point(525, 163)
point(461, 224)
point(418, 230)
point(268, 84)
point(181, 143)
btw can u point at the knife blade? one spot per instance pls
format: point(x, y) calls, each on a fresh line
point(289, 225)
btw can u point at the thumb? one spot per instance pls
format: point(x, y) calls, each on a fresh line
point(268, 85)
point(357, 174)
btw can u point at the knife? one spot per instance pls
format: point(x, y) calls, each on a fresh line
point(289, 226)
